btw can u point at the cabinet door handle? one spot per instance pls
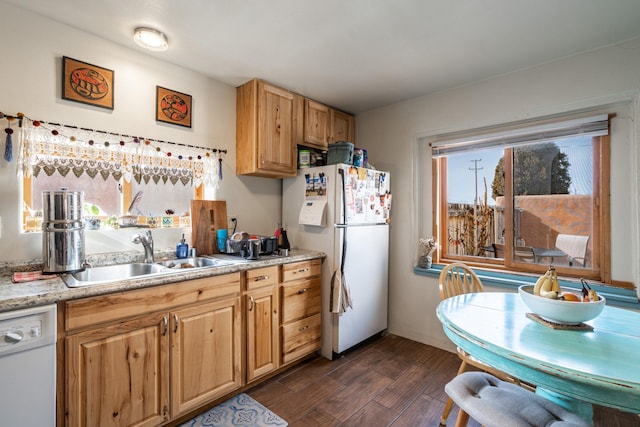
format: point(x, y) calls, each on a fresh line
point(302, 291)
point(175, 323)
point(165, 325)
point(303, 270)
point(251, 302)
point(305, 327)
point(259, 278)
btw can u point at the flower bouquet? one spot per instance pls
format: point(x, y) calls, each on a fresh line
point(426, 248)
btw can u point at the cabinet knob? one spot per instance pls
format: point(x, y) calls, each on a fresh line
point(303, 270)
point(259, 278)
point(302, 291)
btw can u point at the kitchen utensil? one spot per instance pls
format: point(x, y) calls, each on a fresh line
point(268, 245)
point(253, 249)
point(222, 239)
point(207, 216)
point(62, 231)
point(133, 207)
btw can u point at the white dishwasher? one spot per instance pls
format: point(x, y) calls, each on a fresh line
point(28, 367)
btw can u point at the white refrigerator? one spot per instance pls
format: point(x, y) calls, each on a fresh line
point(314, 217)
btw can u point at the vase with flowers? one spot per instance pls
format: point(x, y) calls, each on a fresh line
point(426, 248)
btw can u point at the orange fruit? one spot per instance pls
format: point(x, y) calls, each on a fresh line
point(569, 296)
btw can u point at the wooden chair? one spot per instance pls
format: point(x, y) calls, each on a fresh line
point(455, 279)
point(575, 247)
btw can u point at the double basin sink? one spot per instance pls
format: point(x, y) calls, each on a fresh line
point(113, 273)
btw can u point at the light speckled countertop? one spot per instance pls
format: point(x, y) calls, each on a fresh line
point(39, 292)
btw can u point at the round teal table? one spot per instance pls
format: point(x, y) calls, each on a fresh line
point(573, 367)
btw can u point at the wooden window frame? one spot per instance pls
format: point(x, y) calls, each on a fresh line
point(601, 243)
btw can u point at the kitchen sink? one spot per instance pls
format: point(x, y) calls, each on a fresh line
point(111, 273)
point(114, 273)
point(196, 262)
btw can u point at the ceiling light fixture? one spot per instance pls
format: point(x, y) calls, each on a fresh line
point(151, 39)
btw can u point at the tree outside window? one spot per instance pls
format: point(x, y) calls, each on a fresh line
point(540, 195)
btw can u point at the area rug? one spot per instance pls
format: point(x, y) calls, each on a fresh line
point(239, 411)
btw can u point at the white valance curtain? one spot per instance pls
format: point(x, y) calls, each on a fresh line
point(51, 148)
point(522, 134)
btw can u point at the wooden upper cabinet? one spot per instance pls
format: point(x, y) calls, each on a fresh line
point(342, 127)
point(269, 126)
point(325, 125)
point(316, 124)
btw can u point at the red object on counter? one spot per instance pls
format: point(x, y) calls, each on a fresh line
point(30, 276)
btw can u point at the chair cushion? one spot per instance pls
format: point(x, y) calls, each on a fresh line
point(493, 402)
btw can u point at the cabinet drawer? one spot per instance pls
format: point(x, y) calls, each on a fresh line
point(105, 308)
point(301, 270)
point(260, 277)
point(301, 338)
point(301, 299)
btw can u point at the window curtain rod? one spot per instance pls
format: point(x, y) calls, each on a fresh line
point(585, 126)
point(53, 147)
point(20, 117)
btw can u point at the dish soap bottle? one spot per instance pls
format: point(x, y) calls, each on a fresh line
point(182, 248)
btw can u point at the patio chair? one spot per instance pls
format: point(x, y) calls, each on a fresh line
point(521, 253)
point(455, 279)
point(575, 247)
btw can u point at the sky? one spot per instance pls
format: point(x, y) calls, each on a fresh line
point(463, 168)
point(462, 175)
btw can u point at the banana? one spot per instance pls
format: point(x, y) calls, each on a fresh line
point(550, 287)
point(539, 282)
point(555, 283)
point(549, 294)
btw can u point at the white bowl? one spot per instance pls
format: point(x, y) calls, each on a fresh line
point(559, 311)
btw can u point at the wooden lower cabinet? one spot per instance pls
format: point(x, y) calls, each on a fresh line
point(119, 375)
point(301, 328)
point(262, 317)
point(148, 356)
point(142, 369)
point(205, 353)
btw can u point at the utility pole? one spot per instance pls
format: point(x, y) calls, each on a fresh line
point(475, 170)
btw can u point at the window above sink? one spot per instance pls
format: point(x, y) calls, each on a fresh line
point(110, 169)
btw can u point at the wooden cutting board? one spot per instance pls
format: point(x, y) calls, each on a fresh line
point(207, 216)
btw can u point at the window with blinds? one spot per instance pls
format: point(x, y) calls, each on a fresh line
point(525, 196)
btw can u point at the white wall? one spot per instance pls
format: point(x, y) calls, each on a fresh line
point(30, 83)
point(602, 77)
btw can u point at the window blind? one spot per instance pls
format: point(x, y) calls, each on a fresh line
point(519, 135)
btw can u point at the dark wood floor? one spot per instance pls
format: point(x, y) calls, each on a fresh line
point(391, 381)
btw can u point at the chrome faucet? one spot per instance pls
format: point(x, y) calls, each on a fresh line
point(147, 243)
